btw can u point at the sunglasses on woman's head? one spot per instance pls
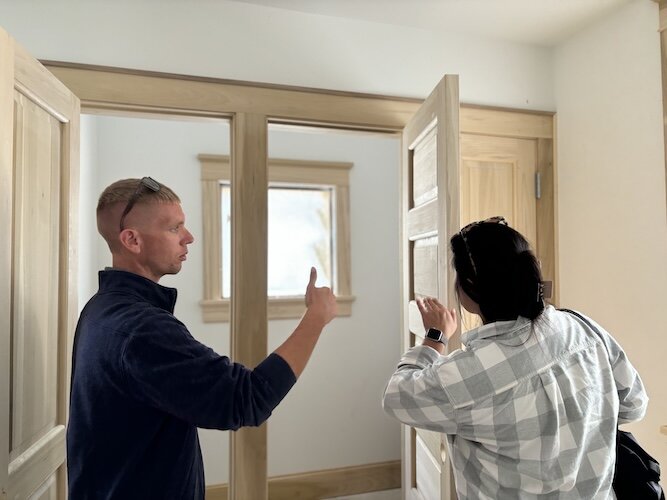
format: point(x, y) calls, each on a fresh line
point(498, 219)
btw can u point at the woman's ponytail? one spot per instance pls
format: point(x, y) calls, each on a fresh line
point(530, 291)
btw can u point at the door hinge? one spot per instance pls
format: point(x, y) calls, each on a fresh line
point(538, 185)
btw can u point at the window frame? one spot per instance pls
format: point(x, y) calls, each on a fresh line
point(216, 169)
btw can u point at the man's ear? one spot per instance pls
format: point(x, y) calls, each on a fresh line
point(130, 239)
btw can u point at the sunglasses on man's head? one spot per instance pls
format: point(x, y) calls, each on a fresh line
point(144, 184)
point(491, 220)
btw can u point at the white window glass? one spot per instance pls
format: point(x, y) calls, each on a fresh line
point(300, 236)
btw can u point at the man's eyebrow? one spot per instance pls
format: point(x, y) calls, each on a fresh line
point(168, 221)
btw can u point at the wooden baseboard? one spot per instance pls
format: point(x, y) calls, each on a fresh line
point(326, 483)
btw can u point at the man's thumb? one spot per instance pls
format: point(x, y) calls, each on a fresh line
point(313, 277)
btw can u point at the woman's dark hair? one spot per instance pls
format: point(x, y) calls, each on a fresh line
point(496, 268)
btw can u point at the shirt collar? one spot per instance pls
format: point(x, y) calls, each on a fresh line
point(115, 280)
point(504, 330)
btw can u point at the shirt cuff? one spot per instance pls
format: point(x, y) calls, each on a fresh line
point(277, 373)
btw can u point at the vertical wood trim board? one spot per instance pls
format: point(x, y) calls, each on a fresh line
point(6, 219)
point(546, 231)
point(249, 324)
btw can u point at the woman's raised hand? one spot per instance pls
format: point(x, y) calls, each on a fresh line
point(435, 315)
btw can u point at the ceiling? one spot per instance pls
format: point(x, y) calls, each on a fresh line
point(536, 22)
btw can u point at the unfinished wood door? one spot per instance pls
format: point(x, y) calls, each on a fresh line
point(429, 213)
point(498, 177)
point(38, 192)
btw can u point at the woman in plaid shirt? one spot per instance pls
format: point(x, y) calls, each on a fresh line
point(531, 402)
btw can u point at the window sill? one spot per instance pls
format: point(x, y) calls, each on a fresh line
point(219, 311)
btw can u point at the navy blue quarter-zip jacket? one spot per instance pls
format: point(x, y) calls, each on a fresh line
point(141, 385)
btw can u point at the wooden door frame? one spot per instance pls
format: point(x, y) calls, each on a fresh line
point(6, 219)
point(108, 90)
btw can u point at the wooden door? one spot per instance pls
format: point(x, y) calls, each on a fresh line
point(429, 213)
point(498, 177)
point(38, 192)
point(500, 154)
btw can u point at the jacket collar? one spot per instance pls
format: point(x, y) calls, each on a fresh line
point(115, 280)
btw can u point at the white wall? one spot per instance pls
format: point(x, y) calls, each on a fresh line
point(248, 42)
point(611, 182)
point(339, 394)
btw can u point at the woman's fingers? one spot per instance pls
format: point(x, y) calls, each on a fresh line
point(429, 303)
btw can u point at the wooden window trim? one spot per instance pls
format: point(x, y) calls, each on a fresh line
point(217, 168)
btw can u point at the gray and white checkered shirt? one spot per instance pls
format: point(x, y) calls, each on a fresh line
point(530, 409)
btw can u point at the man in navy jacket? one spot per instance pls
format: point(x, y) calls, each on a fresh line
point(141, 384)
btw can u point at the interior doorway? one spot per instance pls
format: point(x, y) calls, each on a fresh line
point(169, 149)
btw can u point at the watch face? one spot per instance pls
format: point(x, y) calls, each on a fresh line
point(434, 334)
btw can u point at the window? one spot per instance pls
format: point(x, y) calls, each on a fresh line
point(308, 224)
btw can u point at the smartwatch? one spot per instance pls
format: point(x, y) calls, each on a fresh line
point(436, 335)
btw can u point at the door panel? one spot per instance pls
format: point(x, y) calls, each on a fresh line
point(39, 181)
point(430, 211)
point(488, 186)
point(36, 221)
point(424, 164)
point(423, 220)
point(498, 178)
point(47, 491)
point(34, 332)
point(425, 262)
point(428, 470)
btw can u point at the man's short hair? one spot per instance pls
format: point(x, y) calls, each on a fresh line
point(115, 198)
point(121, 191)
